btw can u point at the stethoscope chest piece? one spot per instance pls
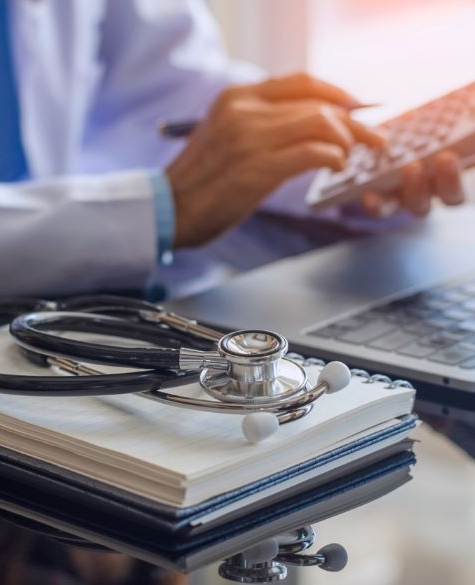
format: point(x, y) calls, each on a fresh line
point(256, 370)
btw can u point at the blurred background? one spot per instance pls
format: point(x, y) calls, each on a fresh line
point(395, 52)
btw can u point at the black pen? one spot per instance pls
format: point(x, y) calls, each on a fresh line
point(177, 129)
point(185, 127)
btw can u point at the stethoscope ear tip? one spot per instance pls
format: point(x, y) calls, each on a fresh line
point(257, 426)
point(336, 375)
point(335, 557)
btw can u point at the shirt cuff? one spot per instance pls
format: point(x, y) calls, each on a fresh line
point(164, 216)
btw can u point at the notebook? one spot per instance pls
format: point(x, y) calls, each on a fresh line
point(330, 303)
point(191, 467)
point(125, 531)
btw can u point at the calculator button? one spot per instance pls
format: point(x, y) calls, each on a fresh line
point(441, 131)
point(419, 143)
point(363, 177)
point(395, 152)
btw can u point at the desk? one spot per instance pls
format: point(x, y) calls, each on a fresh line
point(423, 533)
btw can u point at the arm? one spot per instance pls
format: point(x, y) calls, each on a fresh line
point(83, 233)
point(77, 234)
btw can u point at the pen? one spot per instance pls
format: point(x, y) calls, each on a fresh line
point(186, 127)
point(177, 129)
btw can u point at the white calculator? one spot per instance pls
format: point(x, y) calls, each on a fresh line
point(447, 122)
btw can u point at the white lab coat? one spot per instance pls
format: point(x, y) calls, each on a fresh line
point(93, 76)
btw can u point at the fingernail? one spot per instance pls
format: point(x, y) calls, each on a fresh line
point(451, 164)
point(454, 198)
point(412, 170)
point(381, 138)
point(422, 209)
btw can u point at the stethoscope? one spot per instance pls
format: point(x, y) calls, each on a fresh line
point(244, 372)
point(267, 561)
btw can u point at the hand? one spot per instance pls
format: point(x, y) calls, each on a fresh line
point(419, 187)
point(254, 138)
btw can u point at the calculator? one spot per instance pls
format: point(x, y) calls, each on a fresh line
point(447, 122)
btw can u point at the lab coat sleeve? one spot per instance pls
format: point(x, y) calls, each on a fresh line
point(68, 235)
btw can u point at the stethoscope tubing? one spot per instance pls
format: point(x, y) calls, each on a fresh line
point(29, 332)
point(104, 304)
point(121, 317)
point(98, 385)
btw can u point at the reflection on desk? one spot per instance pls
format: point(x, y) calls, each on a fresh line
point(421, 534)
point(257, 547)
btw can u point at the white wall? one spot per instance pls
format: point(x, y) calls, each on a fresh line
point(271, 33)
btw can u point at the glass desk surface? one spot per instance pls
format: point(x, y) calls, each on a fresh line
point(421, 533)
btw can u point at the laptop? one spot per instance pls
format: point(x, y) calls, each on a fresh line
point(400, 304)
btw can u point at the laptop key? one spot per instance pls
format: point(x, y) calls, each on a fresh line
point(442, 322)
point(469, 288)
point(457, 313)
point(451, 355)
point(353, 322)
point(435, 304)
point(420, 312)
point(329, 331)
point(339, 328)
point(392, 340)
point(470, 305)
point(438, 340)
point(453, 296)
point(468, 364)
point(398, 316)
point(367, 332)
point(470, 340)
point(416, 350)
point(419, 328)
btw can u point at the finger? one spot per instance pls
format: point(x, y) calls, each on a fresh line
point(359, 132)
point(301, 85)
point(416, 192)
point(299, 158)
point(362, 133)
point(320, 124)
point(447, 178)
point(380, 205)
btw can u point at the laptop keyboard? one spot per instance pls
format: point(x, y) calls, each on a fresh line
point(438, 325)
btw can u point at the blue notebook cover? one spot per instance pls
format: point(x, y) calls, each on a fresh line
point(54, 518)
